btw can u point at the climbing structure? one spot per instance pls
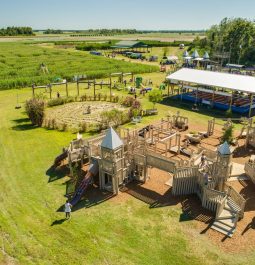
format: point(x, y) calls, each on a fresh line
point(212, 188)
point(125, 156)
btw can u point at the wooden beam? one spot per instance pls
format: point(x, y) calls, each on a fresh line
point(251, 103)
point(78, 88)
point(67, 89)
point(95, 89)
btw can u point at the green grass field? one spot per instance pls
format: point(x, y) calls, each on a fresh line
point(20, 65)
point(113, 232)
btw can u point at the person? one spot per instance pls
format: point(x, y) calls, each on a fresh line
point(203, 160)
point(206, 177)
point(195, 108)
point(68, 206)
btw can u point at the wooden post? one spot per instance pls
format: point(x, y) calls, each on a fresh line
point(213, 96)
point(178, 143)
point(78, 88)
point(94, 89)
point(66, 89)
point(168, 93)
point(111, 92)
point(251, 103)
point(231, 101)
point(33, 90)
point(50, 90)
point(181, 90)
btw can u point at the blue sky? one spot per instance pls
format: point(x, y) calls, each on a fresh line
point(139, 14)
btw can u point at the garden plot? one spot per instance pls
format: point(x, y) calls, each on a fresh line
point(76, 113)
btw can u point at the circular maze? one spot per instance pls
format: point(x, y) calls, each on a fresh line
point(76, 113)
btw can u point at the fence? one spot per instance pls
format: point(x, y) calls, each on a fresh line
point(160, 162)
point(237, 198)
point(212, 199)
point(185, 181)
point(250, 171)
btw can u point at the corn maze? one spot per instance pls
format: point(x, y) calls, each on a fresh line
point(20, 65)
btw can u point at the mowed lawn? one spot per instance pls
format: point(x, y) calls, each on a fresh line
point(124, 231)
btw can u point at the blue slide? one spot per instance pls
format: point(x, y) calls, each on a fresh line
point(93, 170)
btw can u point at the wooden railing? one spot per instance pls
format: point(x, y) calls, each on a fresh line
point(185, 181)
point(221, 206)
point(161, 162)
point(237, 198)
point(212, 198)
point(249, 169)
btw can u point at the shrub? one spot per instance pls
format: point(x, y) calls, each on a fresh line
point(128, 101)
point(113, 117)
point(83, 127)
point(55, 102)
point(155, 96)
point(84, 97)
point(35, 111)
point(135, 109)
point(70, 99)
point(229, 113)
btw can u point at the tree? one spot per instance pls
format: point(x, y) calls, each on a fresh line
point(228, 135)
point(35, 111)
point(155, 96)
point(235, 36)
point(165, 51)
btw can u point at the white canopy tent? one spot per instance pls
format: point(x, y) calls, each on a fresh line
point(232, 82)
point(215, 79)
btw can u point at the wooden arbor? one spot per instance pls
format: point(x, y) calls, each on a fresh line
point(49, 88)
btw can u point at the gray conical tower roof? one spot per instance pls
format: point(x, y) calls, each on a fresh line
point(195, 54)
point(224, 149)
point(206, 56)
point(111, 140)
point(186, 54)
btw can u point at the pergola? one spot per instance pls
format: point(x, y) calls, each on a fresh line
point(215, 80)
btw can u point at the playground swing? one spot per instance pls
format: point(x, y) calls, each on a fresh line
point(180, 122)
point(18, 106)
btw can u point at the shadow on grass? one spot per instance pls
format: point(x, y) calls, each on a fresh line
point(55, 173)
point(22, 120)
point(191, 205)
point(23, 124)
point(58, 222)
point(93, 196)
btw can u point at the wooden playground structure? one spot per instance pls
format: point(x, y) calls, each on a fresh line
point(120, 158)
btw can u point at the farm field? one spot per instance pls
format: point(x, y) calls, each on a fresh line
point(33, 230)
point(67, 37)
point(20, 65)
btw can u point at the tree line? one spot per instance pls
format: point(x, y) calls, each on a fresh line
point(15, 31)
point(53, 31)
point(106, 32)
point(233, 39)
